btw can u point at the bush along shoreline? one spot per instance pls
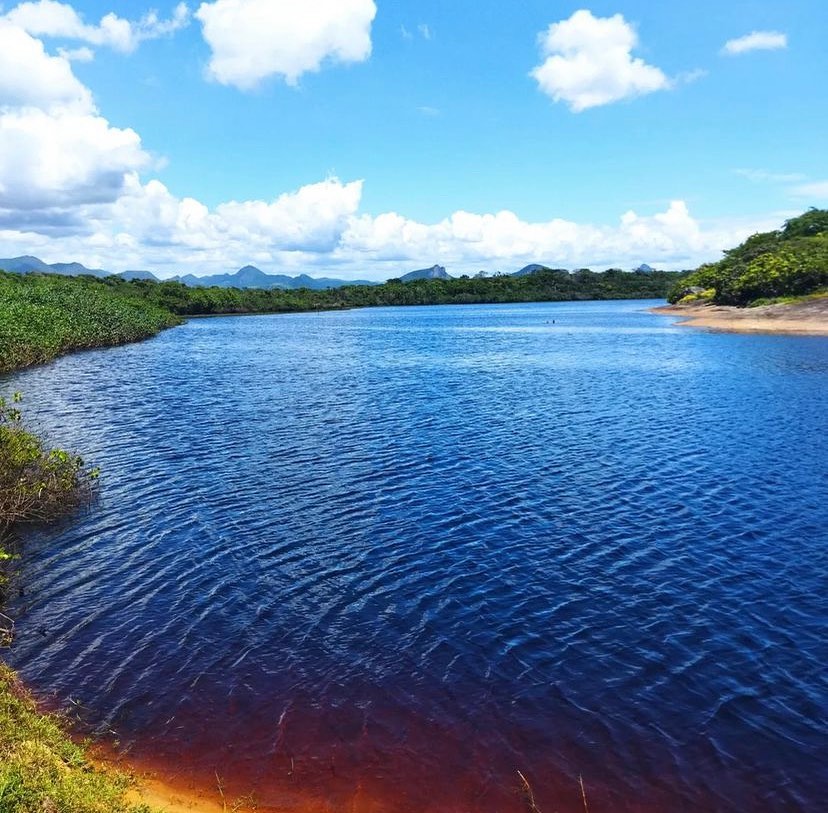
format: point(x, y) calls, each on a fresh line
point(769, 267)
point(38, 484)
point(45, 316)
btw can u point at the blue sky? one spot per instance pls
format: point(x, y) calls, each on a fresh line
point(363, 138)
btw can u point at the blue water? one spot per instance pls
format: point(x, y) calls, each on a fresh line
point(399, 554)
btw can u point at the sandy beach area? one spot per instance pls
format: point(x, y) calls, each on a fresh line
point(179, 790)
point(809, 318)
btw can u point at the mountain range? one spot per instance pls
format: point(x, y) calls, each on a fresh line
point(28, 265)
point(252, 277)
point(247, 277)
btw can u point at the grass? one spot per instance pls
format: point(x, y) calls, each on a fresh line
point(42, 317)
point(42, 770)
point(790, 300)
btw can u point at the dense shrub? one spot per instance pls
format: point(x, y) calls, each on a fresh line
point(42, 316)
point(37, 484)
point(790, 262)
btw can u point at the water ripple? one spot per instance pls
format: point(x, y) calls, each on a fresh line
point(403, 552)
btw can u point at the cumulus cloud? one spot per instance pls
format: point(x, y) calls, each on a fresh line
point(588, 62)
point(48, 18)
point(252, 40)
point(308, 221)
point(82, 54)
point(56, 150)
point(320, 229)
point(31, 77)
point(467, 240)
point(756, 41)
point(57, 159)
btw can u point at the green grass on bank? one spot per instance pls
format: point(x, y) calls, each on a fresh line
point(42, 770)
point(816, 296)
point(42, 317)
point(771, 267)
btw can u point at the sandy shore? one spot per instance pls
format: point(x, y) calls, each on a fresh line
point(162, 797)
point(809, 318)
point(161, 794)
point(178, 791)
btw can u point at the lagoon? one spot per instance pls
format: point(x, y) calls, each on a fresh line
point(391, 556)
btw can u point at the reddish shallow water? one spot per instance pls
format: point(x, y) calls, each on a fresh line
point(383, 560)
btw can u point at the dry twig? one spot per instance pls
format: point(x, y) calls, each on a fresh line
point(528, 796)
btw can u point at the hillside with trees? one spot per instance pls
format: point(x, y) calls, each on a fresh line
point(789, 262)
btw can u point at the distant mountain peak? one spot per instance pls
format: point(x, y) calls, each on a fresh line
point(138, 275)
point(435, 272)
point(28, 264)
point(532, 268)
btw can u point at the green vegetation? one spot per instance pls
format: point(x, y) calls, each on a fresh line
point(770, 266)
point(42, 316)
point(548, 285)
point(36, 484)
point(42, 770)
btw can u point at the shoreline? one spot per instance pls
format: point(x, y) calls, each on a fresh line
point(164, 795)
point(183, 318)
point(806, 318)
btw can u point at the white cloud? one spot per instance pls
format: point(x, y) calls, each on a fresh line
point(765, 176)
point(62, 158)
point(56, 151)
point(802, 188)
point(252, 40)
point(588, 62)
point(756, 41)
point(82, 54)
point(48, 18)
point(466, 240)
point(425, 31)
point(29, 76)
point(816, 190)
point(319, 229)
point(309, 221)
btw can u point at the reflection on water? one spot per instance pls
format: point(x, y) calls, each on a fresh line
point(398, 554)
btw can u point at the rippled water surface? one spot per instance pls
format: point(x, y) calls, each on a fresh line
point(380, 560)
